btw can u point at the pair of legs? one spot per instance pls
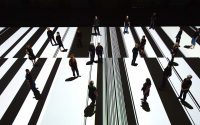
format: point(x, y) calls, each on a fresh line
point(134, 59)
point(52, 38)
point(92, 55)
point(183, 93)
point(152, 24)
point(125, 29)
point(145, 97)
point(93, 99)
point(96, 30)
point(193, 43)
point(75, 69)
point(99, 57)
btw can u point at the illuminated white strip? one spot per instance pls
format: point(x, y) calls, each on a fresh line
point(6, 66)
point(50, 50)
point(11, 40)
point(13, 87)
point(67, 98)
point(148, 49)
point(176, 85)
point(185, 40)
point(21, 43)
point(29, 104)
point(163, 48)
point(155, 104)
point(1, 28)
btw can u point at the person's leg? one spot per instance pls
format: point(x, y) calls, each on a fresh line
point(77, 72)
point(133, 60)
point(181, 93)
point(184, 94)
point(54, 40)
point(51, 41)
point(98, 31)
point(95, 30)
point(73, 71)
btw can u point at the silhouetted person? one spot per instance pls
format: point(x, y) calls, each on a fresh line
point(135, 54)
point(126, 24)
point(185, 86)
point(153, 21)
point(59, 41)
point(146, 89)
point(73, 65)
point(91, 52)
point(178, 36)
point(142, 44)
point(92, 92)
point(30, 53)
point(166, 74)
point(50, 35)
point(195, 38)
point(174, 51)
point(96, 25)
point(99, 52)
point(30, 80)
point(79, 38)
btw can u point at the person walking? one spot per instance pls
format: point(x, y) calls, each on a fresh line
point(96, 26)
point(153, 21)
point(30, 80)
point(91, 52)
point(146, 89)
point(92, 92)
point(73, 65)
point(135, 54)
point(30, 53)
point(59, 41)
point(185, 86)
point(50, 35)
point(99, 52)
point(195, 38)
point(126, 24)
point(142, 44)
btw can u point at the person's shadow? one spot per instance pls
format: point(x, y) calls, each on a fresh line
point(70, 79)
point(145, 106)
point(187, 46)
point(89, 63)
point(186, 104)
point(89, 110)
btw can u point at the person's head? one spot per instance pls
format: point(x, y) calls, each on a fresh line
point(48, 28)
point(127, 17)
point(71, 55)
point(96, 17)
point(154, 13)
point(98, 44)
point(176, 45)
point(28, 46)
point(91, 83)
point(189, 76)
point(27, 70)
point(58, 33)
point(143, 37)
point(148, 81)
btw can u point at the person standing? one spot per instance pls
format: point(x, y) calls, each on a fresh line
point(79, 38)
point(142, 44)
point(73, 65)
point(30, 80)
point(135, 54)
point(146, 89)
point(99, 52)
point(126, 24)
point(59, 41)
point(92, 92)
point(166, 74)
point(153, 21)
point(30, 53)
point(185, 86)
point(178, 36)
point(91, 52)
point(174, 50)
point(50, 35)
point(96, 26)
point(195, 38)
